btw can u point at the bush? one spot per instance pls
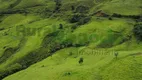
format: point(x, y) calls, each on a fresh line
point(80, 19)
point(1, 29)
point(116, 15)
point(60, 26)
point(126, 16)
point(84, 20)
point(76, 18)
point(110, 18)
point(74, 26)
point(73, 8)
point(58, 5)
point(80, 60)
point(82, 9)
point(139, 20)
point(138, 31)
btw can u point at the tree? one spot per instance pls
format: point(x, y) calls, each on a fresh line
point(116, 54)
point(60, 26)
point(73, 8)
point(58, 5)
point(110, 18)
point(70, 53)
point(81, 60)
point(138, 31)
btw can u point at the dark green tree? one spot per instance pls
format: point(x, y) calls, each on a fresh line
point(138, 31)
point(81, 60)
point(116, 54)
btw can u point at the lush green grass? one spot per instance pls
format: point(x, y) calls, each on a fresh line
point(125, 7)
point(62, 66)
point(62, 62)
point(8, 36)
point(100, 35)
point(32, 42)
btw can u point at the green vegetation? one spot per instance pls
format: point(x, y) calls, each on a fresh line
point(138, 31)
point(70, 40)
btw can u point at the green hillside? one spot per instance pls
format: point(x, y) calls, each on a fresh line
point(71, 40)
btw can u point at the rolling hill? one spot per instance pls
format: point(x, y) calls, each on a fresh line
point(71, 40)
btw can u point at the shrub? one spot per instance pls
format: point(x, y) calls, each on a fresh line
point(74, 26)
point(60, 26)
point(1, 29)
point(110, 18)
point(139, 20)
point(82, 9)
point(116, 54)
point(58, 5)
point(80, 19)
point(76, 18)
point(138, 31)
point(80, 60)
point(73, 8)
point(117, 15)
point(84, 20)
point(67, 74)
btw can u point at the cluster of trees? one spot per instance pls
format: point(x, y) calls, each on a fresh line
point(80, 19)
point(82, 9)
point(126, 16)
point(20, 11)
point(7, 53)
point(12, 69)
point(80, 16)
point(58, 5)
